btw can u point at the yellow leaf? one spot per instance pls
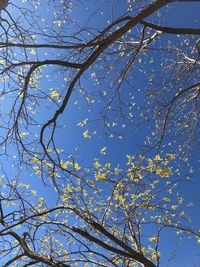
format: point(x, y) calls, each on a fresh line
point(86, 134)
point(23, 134)
point(103, 150)
point(163, 172)
point(33, 52)
point(54, 94)
point(100, 176)
point(152, 239)
point(171, 156)
point(96, 164)
point(157, 158)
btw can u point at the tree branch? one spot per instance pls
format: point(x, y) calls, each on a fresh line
point(172, 30)
point(137, 256)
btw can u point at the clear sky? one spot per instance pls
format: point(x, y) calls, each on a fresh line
point(131, 138)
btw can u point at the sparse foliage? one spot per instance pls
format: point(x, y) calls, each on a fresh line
point(124, 71)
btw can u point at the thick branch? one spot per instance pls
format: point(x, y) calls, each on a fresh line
point(37, 64)
point(92, 58)
point(8, 263)
point(33, 255)
point(172, 30)
point(137, 257)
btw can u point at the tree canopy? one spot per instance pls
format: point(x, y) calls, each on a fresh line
point(99, 132)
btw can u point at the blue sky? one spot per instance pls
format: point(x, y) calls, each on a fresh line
point(71, 138)
point(130, 144)
point(117, 148)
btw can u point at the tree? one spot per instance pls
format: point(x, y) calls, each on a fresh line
point(115, 220)
point(3, 4)
point(107, 215)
